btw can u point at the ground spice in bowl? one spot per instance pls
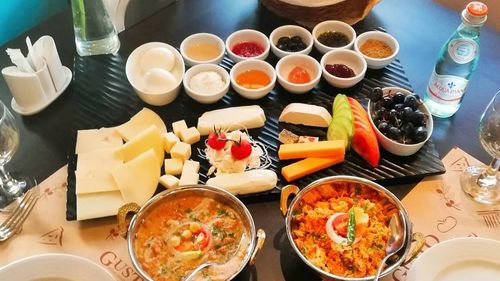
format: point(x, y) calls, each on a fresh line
point(375, 49)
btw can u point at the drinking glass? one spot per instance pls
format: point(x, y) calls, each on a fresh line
point(479, 182)
point(11, 189)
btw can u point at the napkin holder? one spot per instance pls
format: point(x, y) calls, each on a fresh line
point(33, 92)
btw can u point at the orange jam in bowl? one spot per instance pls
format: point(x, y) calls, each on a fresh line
point(299, 75)
point(253, 79)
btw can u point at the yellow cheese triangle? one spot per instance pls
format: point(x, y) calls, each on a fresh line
point(139, 122)
point(138, 178)
point(146, 140)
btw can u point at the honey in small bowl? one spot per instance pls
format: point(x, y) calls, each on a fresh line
point(202, 51)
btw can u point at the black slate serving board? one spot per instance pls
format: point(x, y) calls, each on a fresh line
point(104, 98)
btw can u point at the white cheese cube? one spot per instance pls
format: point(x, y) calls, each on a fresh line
point(181, 150)
point(169, 139)
point(173, 166)
point(190, 135)
point(191, 166)
point(190, 173)
point(178, 126)
point(189, 178)
point(169, 181)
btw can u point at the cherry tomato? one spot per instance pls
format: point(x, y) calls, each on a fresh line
point(241, 149)
point(217, 140)
point(340, 224)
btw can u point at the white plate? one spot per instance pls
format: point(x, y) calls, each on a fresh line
point(67, 73)
point(459, 259)
point(60, 267)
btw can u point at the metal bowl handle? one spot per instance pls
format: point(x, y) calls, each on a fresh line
point(261, 238)
point(122, 217)
point(285, 194)
point(419, 240)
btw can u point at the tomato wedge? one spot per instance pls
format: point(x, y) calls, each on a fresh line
point(364, 140)
point(203, 242)
point(340, 224)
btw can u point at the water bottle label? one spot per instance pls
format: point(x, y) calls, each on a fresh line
point(446, 89)
point(462, 50)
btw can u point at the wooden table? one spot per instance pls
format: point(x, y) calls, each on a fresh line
point(420, 26)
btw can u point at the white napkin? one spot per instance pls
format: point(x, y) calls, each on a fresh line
point(46, 48)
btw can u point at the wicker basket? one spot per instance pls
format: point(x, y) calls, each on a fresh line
point(349, 11)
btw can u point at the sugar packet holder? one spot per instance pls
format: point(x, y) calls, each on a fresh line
point(34, 91)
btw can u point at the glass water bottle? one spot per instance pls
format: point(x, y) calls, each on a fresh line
point(456, 62)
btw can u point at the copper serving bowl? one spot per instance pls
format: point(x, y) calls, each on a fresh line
point(402, 257)
point(247, 250)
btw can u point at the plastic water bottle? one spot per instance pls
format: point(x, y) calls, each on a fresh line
point(457, 61)
point(94, 31)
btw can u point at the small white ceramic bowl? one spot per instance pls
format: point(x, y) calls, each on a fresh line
point(288, 63)
point(377, 63)
point(290, 31)
point(202, 38)
point(205, 97)
point(333, 25)
point(247, 35)
point(136, 75)
point(251, 64)
point(351, 59)
point(395, 147)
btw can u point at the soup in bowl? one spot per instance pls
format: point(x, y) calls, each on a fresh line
point(181, 229)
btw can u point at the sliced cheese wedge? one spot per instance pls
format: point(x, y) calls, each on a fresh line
point(148, 139)
point(324, 149)
point(93, 170)
point(98, 205)
point(245, 182)
point(232, 118)
point(308, 166)
point(138, 178)
point(88, 140)
point(85, 184)
point(306, 114)
point(140, 122)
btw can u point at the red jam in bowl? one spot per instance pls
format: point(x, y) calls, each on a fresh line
point(340, 70)
point(247, 49)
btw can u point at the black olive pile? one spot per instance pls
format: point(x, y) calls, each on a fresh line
point(291, 44)
point(397, 116)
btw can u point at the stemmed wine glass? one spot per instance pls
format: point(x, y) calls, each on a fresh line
point(483, 183)
point(11, 189)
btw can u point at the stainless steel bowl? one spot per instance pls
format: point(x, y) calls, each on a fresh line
point(404, 255)
point(256, 237)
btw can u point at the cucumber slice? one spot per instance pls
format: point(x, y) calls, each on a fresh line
point(338, 132)
point(342, 125)
point(346, 123)
point(340, 100)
